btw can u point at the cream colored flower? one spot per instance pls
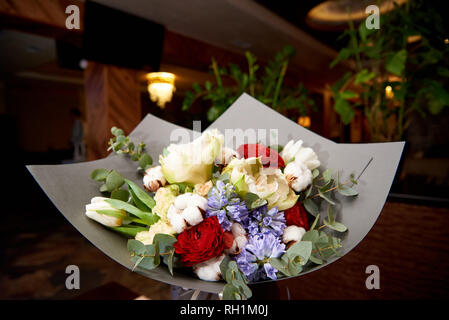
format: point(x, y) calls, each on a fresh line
point(102, 212)
point(154, 179)
point(210, 269)
point(146, 237)
point(248, 175)
point(192, 162)
point(164, 198)
point(299, 177)
point(203, 188)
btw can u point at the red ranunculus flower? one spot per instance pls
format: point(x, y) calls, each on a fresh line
point(201, 242)
point(269, 157)
point(297, 216)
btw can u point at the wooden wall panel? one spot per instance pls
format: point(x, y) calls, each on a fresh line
point(112, 99)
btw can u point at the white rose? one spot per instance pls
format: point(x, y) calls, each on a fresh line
point(248, 175)
point(192, 162)
point(95, 208)
point(295, 151)
point(185, 211)
point(210, 269)
point(299, 177)
point(154, 179)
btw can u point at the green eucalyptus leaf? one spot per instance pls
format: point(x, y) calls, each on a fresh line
point(315, 222)
point(145, 161)
point(326, 197)
point(346, 191)
point(114, 180)
point(327, 175)
point(230, 292)
point(315, 260)
point(281, 266)
point(99, 174)
point(302, 249)
point(311, 207)
point(104, 188)
point(337, 226)
point(330, 214)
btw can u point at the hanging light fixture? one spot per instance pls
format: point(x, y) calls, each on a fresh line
point(304, 121)
point(161, 86)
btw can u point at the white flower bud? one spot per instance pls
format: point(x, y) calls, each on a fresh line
point(237, 230)
point(299, 177)
point(99, 203)
point(192, 215)
point(293, 233)
point(210, 269)
point(290, 150)
point(154, 179)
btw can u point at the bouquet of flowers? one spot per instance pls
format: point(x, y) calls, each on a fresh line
point(241, 215)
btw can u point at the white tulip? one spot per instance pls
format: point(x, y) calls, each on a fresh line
point(293, 233)
point(98, 203)
point(210, 269)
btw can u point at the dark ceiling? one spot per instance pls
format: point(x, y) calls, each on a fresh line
point(295, 12)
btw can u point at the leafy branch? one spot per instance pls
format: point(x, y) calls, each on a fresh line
point(268, 87)
point(236, 287)
point(121, 144)
point(149, 256)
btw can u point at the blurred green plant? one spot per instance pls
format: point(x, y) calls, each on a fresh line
point(267, 87)
point(417, 72)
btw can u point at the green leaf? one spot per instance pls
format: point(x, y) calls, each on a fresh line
point(364, 76)
point(112, 213)
point(344, 54)
point(136, 247)
point(315, 222)
point(144, 197)
point(302, 249)
point(396, 63)
point(349, 94)
point(281, 266)
point(129, 231)
point(345, 111)
point(120, 194)
point(326, 197)
point(311, 235)
point(315, 173)
point(330, 214)
point(99, 174)
point(316, 260)
point(346, 191)
point(337, 226)
point(147, 217)
point(311, 207)
point(327, 175)
point(104, 188)
point(114, 180)
point(230, 292)
point(145, 161)
point(242, 288)
point(117, 132)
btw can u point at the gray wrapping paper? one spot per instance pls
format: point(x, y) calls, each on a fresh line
point(70, 188)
